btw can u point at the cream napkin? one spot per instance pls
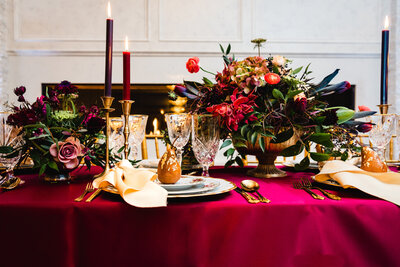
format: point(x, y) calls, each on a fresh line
point(385, 185)
point(136, 186)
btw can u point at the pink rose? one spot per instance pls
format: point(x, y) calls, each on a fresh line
point(68, 152)
point(272, 78)
point(192, 65)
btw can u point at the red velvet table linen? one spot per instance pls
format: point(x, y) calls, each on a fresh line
point(42, 226)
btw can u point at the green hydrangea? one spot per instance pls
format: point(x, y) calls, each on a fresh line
point(64, 115)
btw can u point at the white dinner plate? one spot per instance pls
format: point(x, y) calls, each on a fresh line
point(223, 187)
point(185, 182)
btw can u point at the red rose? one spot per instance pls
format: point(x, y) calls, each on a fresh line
point(192, 65)
point(272, 78)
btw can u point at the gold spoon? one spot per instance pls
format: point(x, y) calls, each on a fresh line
point(252, 186)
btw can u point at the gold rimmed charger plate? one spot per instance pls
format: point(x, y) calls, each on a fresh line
point(224, 187)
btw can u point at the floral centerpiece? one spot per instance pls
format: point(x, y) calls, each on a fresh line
point(267, 108)
point(58, 135)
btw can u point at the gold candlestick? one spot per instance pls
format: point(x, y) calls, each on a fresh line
point(107, 102)
point(126, 111)
point(383, 108)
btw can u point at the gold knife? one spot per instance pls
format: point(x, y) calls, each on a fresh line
point(246, 196)
point(92, 196)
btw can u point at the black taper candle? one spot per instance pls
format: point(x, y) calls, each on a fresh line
point(384, 66)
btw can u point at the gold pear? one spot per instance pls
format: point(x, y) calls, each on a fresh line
point(169, 170)
point(371, 162)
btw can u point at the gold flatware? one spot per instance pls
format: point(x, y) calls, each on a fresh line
point(92, 196)
point(11, 183)
point(252, 186)
point(297, 185)
point(307, 183)
point(246, 196)
point(89, 188)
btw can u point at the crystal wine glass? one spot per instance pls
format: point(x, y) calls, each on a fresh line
point(116, 137)
point(11, 142)
point(137, 127)
point(382, 131)
point(205, 139)
point(178, 131)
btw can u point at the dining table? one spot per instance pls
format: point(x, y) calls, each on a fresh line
point(42, 225)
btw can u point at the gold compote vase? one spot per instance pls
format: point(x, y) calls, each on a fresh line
point(266, 160)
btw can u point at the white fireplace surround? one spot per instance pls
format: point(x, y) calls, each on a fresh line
point(53, 40)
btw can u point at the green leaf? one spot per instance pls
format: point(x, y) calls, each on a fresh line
point(207, 81)
point(319, 156)
point(283, 136)
point(39, 136)
point(344, 115)
point(302, 165)
point(291, 94)
point(229, 163)
point(239, 161)
point(262, 143)
point(293, 150)
point(42, 169)
point(121, 149)
point(297, 70)
point(254, 138)
point(228, 49)
point(327, 80)
point(244, 130)
point(277, 94)
point(229, 152)
point(226, 143)
point(344, 156)
point(222, 49)
point(322, 139)
point(53, 165)
point(240, 144)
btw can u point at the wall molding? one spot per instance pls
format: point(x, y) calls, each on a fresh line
point(55, 53)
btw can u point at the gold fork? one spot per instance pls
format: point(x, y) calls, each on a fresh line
point(298, 185)
point(307, 183)
point(89, 188)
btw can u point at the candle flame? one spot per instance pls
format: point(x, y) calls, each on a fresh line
point(386, 22)
point(126, 43)
point(155, 125)
point(109, 10)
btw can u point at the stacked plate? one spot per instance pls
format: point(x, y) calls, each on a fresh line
point(195, 186)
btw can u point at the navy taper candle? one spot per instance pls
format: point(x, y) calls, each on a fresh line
point(109, 50)
point(384, 63)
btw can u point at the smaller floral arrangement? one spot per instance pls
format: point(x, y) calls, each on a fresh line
point(58, 136)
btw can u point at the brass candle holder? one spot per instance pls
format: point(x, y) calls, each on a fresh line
point(126, 111)
point(383, 108)
point(107, 103)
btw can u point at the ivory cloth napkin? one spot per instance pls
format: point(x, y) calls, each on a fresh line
point(385, 185)
point(135, 186)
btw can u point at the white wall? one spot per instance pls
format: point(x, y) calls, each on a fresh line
point(53, 40)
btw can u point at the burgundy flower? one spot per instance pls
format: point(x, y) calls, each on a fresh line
point(21, 98)
point(272, 78)
point(365, 127)
point(300, 104)
point(68, 152)
point(95, 124)
point(19, 91)
point(66, 88)
point(82, 109)
point(331, 117)
point(94, 109)
point(192, 65)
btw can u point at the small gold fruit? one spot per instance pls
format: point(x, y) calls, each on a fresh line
point(371, 162)
point(169, 171)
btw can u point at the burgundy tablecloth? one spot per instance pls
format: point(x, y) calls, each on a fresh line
point(41, 225)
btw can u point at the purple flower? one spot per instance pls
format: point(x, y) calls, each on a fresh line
point(19, 91)
point(66, 88)
point(331, 117)
point(300, 104)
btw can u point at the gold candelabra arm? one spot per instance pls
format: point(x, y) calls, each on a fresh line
point(126, 111)
point(107, 103)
